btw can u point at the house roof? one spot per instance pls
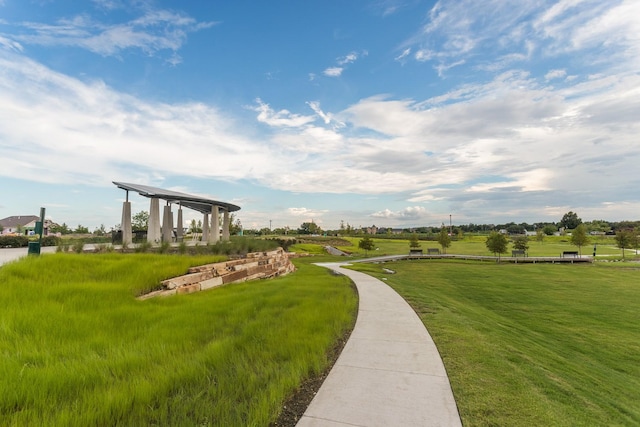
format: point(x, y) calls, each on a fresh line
point(18, 221)
point(198, 203)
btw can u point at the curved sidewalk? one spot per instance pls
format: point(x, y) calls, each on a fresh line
point(389, 372)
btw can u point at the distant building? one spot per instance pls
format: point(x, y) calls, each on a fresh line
point(371, 230)
point(22, 224)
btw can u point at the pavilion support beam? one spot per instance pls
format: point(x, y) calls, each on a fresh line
point(225, 226)
point(127, 235)
point(179, 226)
point(215, 224)
point(205, 228)
point(154, 234)
point(167, 224)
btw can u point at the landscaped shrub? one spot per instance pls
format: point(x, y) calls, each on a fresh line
point(51, 241)
point(14, 241)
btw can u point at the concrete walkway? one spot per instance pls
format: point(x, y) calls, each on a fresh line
point(389, 373)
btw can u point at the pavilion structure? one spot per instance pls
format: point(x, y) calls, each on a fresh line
point(162, 231)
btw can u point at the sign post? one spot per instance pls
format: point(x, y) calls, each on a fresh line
point(34, 247)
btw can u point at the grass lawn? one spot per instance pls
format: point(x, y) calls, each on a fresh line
point(475, 245)
point(77, 348)
point(534, 344)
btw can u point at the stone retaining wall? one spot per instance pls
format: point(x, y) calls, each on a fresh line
point(256, 265)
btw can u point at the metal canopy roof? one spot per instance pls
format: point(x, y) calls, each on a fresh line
point(198, 203)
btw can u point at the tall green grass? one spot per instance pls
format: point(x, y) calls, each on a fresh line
point(77, 348)
point(531, 345)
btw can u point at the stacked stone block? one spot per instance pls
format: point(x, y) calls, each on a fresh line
point(256, 265)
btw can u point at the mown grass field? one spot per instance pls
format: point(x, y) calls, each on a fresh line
point(475, 245)
point(77, 348)
point(531, 345)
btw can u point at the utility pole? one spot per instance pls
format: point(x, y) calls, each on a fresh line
point(450, 227)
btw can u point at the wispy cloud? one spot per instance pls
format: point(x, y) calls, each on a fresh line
point(47, 118)
point(411, 213)
point(151, 32)
point(282, 118)
point(555, 74)
point(333, 71)
point(342, 62)
point(461, 30)
point(306, 212)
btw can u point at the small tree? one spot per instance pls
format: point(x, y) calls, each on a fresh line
point(309, 228)
point(62, 229)
point(540, 235)
point(444, 239)
point(570, 220)
point(624, 240)
point(579, 237)
point(81, 230)
point(367, 244)
point(549, 229)
point(497, 243)
point(413, 242)
point(521, 243)
point(140, 221)
point(100, 231)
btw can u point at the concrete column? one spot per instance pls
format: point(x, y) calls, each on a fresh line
point(125, 224)
point(215, 224)
point(179, 226)
point(153, 232)
point(225, 226)
point(205, 228)
point(167, 224)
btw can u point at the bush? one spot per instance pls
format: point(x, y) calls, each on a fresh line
point(14, 241)
point(145, 246)
point(51, 241)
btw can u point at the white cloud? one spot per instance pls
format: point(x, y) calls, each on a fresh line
point(10, 44)
point(282, 118)
point(422, 55)
point(441, 68)
point(342, 61)
point(348, 59)
point(411, 213)
point(333, 71)
point(404, 54)
point(305, 212)
point(55, 128)
point(327, 118)
point(555, 74)
point(471, 31)
point(153, 31)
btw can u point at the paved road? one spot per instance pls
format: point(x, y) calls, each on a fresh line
point(12, 254)
point(389, 373)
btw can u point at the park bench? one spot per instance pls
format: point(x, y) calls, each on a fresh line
point(433, 251)
point(415, 251)
point(573, 254)
point(518, 252)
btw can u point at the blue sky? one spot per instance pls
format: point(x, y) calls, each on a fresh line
point(387, 112)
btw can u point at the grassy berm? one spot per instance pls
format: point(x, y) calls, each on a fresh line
point(77, 348)
point(531, 345)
